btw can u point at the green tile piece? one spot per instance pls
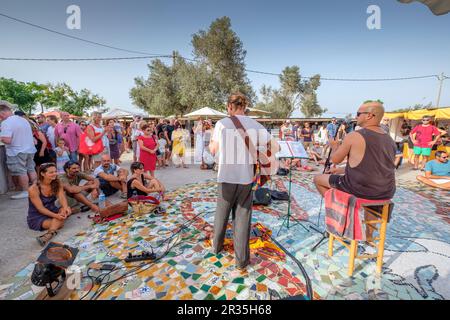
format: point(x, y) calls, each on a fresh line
point(238, 280)
point(205, 287)
point(209, 297)
point(172, 262)
point(185, 275)
point(138, 239)
point(193, 289)
point(261, 278)
point(195, 276)
point(223, 297)
point(209, 255)
point(218, 264)
point(240, 288)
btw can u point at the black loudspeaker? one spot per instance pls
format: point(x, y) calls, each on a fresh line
point(262, 197)
point(50, 267)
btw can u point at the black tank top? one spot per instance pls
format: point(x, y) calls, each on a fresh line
point(374, 177)
point(130, 190)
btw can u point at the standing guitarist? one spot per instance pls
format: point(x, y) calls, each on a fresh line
point(239, 143)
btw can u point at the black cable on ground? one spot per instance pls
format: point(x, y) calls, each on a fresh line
point(309, 291)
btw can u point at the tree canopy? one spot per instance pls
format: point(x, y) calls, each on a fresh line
point(218, 70)
point(293, 93)
point(24, 95)
point(28, 96)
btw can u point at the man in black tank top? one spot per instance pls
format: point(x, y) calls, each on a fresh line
point(370, 170)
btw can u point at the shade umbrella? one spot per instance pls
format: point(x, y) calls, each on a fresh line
point(206, 112)
point(438, 7)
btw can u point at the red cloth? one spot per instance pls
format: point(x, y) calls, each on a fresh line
point(344, 214)
point(424, 135)
point(147, 158)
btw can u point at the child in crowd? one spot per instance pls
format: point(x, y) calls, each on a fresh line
point(62, 155)
point(162, 150)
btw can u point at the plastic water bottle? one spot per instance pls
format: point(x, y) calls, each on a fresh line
point(102, 200)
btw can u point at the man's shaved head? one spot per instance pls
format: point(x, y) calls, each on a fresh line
point(376, 108)
point(371, 113)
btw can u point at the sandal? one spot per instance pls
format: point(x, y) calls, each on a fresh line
point(45, 238)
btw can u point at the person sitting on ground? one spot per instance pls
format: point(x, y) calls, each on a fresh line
point(315, 152)
point(43, 214)
point(437, 172)
point(85, 194)
point(370, 169)
point(112, 177)
point(143, 184)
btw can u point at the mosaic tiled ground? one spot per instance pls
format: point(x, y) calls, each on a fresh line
point(416, 263)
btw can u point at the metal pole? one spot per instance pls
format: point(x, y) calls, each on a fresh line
point(441, 78)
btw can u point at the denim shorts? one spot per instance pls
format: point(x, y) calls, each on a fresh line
point(20, 164)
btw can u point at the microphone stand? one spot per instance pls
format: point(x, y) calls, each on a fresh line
point(326, 168)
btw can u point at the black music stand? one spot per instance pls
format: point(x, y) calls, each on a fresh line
point(292, 156)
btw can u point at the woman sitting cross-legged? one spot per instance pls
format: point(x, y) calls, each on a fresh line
point(143, 184)
point(43, 214)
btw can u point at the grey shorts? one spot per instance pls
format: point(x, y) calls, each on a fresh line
point(98, 157)
point(21, 164)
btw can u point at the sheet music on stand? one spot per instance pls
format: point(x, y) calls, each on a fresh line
point(292, 149)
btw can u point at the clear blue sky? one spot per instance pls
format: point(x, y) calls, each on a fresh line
point(321, 36)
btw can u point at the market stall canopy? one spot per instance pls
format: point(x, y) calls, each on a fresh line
point(438, 7)
point(57, 114)
point(207, 113)
point(257, 112)
point(394, 115)
point(419, 114)
point(438, 114)
point(118, 113)
point(443, 114)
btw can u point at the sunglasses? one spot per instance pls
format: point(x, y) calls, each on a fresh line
point(425, 120)
point(360, 113)
point(444, 157)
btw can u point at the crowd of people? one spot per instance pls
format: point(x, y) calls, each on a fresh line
point(63, 167)
point(71, 165)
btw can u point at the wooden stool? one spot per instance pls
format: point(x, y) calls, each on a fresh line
point(374, 221)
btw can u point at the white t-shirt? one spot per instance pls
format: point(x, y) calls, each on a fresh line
point(233, 157)
point(51, 136)
point(19, 129)
point(113, 168)
point(162, 145)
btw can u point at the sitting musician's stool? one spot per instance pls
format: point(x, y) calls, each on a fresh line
point(374, 221)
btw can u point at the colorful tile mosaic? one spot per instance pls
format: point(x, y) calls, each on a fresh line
point(416, 263)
